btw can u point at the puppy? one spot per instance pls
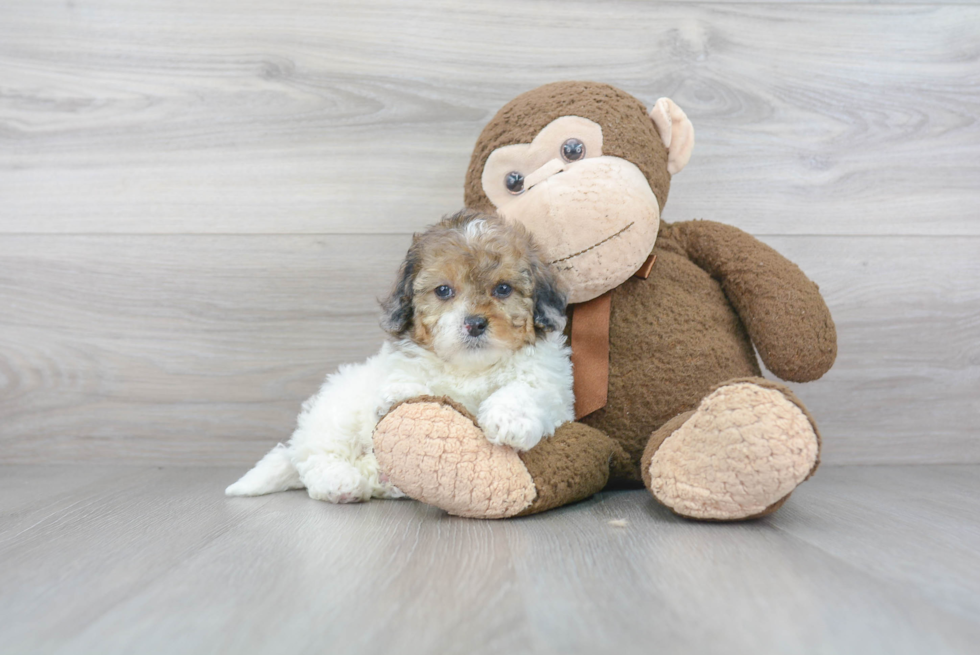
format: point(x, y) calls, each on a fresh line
point(476, 316)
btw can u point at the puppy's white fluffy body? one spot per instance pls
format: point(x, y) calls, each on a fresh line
point(517, 401)
point(518, 387)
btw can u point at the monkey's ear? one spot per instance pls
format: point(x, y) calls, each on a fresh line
point(397, 309)
point(676, 131)
point(550, 300)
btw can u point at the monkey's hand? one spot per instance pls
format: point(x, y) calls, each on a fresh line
point(783, 311)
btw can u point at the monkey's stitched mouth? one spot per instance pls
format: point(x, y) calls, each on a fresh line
point(595, 245)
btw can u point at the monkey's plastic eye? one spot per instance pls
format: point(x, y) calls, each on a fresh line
point(572, 150)
point(445, 292)
point(502, 290)
point(514, 182)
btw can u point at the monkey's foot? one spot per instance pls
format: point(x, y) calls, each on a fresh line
point(738, 455)
point(432, 449)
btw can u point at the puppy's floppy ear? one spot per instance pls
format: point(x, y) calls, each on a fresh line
point(397, 309)
point(550, 299)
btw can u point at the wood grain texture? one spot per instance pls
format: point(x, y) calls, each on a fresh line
point(179, 348)
point(200, 202)
point(358, 116)
point(861, 560)
point(861, 515)
point(200, 349)
point(906, 384)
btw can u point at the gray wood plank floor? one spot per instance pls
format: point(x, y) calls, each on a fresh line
point(157, 560)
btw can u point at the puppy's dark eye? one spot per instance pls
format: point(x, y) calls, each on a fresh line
point(514, 182)
point(502, 290)
point(445, 292)
point(572, 150)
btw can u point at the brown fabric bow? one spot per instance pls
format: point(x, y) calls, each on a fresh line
point(590, 348)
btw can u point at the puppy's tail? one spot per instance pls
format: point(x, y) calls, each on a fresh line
point(274, 472)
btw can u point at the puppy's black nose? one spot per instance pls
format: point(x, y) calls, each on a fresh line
point(475, 325)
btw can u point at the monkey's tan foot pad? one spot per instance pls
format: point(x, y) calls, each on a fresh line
point(738, 455)
point(434, 452)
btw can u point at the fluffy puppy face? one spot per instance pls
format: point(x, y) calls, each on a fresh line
point(473, 289)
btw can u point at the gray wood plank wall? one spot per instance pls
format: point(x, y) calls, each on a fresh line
point(199, 202)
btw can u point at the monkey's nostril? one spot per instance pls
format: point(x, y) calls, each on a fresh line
point(553, 167)
point(475, 325)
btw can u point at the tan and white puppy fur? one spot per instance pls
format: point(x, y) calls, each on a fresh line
point(475, 315)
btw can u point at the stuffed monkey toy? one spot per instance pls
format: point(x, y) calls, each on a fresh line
point(662, 324)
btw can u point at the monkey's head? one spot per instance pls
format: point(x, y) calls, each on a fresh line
point(586, 168)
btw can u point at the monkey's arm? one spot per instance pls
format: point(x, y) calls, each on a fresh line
point(783, 311)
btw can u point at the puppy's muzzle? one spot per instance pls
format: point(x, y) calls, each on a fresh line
point(475, 325)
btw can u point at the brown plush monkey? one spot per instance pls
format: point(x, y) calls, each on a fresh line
point(667, 383)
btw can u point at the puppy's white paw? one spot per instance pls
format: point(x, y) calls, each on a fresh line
point(335, 481)
point(510, 421)
point(393, 394)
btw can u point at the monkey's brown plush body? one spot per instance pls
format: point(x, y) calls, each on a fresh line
point(686, 411)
